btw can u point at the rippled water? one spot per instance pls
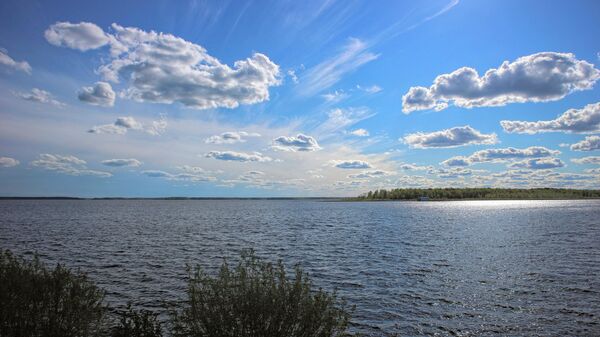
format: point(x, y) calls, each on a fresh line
point(520, 268)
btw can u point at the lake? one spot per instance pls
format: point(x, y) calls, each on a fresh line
point(519, 268)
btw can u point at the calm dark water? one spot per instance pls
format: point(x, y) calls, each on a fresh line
point(518, 268)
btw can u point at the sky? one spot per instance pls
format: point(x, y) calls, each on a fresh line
point(296, 98)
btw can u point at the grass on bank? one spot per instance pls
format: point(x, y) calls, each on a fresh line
point(254, 298)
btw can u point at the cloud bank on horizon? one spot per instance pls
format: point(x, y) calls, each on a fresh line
point(338, 104)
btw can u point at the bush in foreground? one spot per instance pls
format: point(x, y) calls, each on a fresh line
point(37, 302)
point(258, 299)
point(134, 323)
point(254, 299)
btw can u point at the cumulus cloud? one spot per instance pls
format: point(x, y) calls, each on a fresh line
point(70, 165)
point(453, 137)
point(501, 155)
point(369, 174)
point(238, 156)
point(360, 133)
point(540, 77)
point(82, 36)
point(9, 62)
point(585, 120)
point(587, 160)
point(230, 137)
point(39, 96)
point(123, 124)
point(538, 164)
point(8, 162)
point(163, 68)
point(590, 143)
point(327, 73)
point(455, 172)
point(100, 94)
point(122, 162)
point(350, 164)
point(301, 142)
point(415, 167)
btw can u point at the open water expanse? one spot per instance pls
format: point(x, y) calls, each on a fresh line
point(511, 268)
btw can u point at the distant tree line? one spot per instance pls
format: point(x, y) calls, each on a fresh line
point(252, 298)
point(478, 193)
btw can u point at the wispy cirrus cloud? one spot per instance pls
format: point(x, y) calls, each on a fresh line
point(541, 77)
point(327, 73)
point(186, 174)
point(67, 164)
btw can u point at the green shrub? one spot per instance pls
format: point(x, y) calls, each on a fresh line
point(134, 323)
point(37, 302)
point(258, 299)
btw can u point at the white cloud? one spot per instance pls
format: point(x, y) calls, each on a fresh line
point(453, 137)
point(238, 156)
point(455, 172)
point(538, 164)
point(82, 36)
point(230, 137)
point(340, 119)
point(163, 68)
point(369, 174)
point(329, 72)
point(336, 96)
point(587, 160)
point(370, 90)
point(415, 167)
point(350, 164)
point(8, 162)
point(301, 142)
point(100, 94)
point(585, 120)
point(189, 174)
point(39, 96)
point(122, 162)
point(292, 74)
point(122, 124)
point(70, 165)
point(9, 62)
point(360, 133)
point(590, 143)
point(540, 77)
point(501, 155)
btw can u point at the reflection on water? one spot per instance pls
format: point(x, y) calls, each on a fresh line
point(517, 268)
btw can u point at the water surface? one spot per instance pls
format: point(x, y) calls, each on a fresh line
point(519, 268)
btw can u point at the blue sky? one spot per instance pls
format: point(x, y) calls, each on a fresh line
point(288, 98)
